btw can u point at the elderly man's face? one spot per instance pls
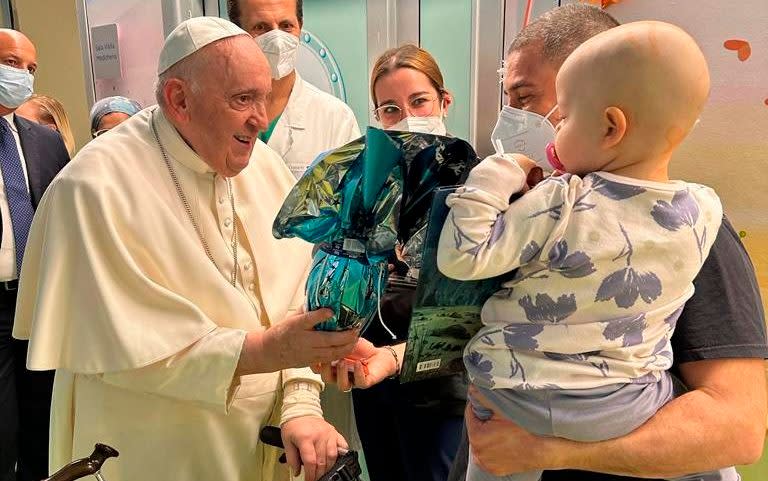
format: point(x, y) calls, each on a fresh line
point(260, 16)
point(529, 82)
point(228, 108)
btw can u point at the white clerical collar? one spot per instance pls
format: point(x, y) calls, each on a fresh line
point(175, 145)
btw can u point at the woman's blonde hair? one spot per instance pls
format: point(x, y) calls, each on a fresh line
point(52, 112)
point(407, 56)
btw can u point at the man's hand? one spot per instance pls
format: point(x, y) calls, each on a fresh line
point(368, 364)
point(533, 173)
point(294, 343)
point(312, 442)
point(718, 423)
point(501, 447)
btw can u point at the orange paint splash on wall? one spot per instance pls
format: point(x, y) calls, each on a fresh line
point(741, 47)
point(601, 3)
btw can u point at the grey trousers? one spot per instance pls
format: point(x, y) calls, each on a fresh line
point(585, 415)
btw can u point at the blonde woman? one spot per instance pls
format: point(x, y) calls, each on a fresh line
point(48, 111)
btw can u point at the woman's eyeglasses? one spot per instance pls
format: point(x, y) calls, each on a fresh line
point(390, 114)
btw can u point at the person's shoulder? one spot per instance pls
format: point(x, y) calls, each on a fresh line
point(728, 270)
point(115, 156)
point(38, 129)
point(728, 243)
point(42, 133)
point(320, 100)
point(702, 192)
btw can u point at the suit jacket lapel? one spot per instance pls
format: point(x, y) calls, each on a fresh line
point(32, 157)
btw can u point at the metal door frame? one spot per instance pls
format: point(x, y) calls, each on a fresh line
point(487, 53)
point(8, 14)
point(174, 12)
point(390, 23)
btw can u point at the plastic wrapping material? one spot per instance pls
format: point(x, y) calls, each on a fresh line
point(356, 202)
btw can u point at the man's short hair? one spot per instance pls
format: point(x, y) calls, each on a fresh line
point(233, 10)
point(562, 29)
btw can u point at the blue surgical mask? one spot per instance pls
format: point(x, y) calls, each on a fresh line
point(16, 86)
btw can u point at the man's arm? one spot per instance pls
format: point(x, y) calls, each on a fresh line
point(719, 345)
point(209, 370)
point(718, 423)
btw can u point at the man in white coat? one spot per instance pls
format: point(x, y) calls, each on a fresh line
point(303, 120)
point(153, 285)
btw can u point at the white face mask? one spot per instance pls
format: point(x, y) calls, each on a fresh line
point(432, 124)
point(424, 125)
point(281, 49)
point(523, 132)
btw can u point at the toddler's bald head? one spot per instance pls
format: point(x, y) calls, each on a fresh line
point(653, 71)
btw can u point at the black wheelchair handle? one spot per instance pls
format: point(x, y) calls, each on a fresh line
point(86, 466)
point(346, 468)
point(271, 435)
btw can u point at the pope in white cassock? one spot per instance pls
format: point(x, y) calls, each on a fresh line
point(153, 285)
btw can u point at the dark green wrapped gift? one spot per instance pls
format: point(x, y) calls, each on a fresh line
point(356, 202)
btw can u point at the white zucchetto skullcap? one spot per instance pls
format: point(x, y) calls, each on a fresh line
point(192, 35)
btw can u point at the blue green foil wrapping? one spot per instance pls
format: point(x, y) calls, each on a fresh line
point(356, 202)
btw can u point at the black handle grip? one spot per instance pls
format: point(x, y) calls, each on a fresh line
point(346, 468)
point(86, 466)
point(271, 435)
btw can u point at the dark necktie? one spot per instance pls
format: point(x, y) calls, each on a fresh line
point(16, 192)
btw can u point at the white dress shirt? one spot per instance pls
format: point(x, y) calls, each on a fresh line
point(312, 123)
point(8, 244)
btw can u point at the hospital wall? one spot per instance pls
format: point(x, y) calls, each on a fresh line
point(53, 27)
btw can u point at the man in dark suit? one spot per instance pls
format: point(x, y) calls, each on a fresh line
point(30, 156)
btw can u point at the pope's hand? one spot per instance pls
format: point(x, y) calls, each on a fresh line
point(367, 364)
point(294, 343)
point(312, 442)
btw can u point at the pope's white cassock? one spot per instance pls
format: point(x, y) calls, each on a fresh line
point(119, 296)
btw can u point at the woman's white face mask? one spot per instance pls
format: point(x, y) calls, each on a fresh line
point(521, 132)
point(425, 125)
point(431, 124)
